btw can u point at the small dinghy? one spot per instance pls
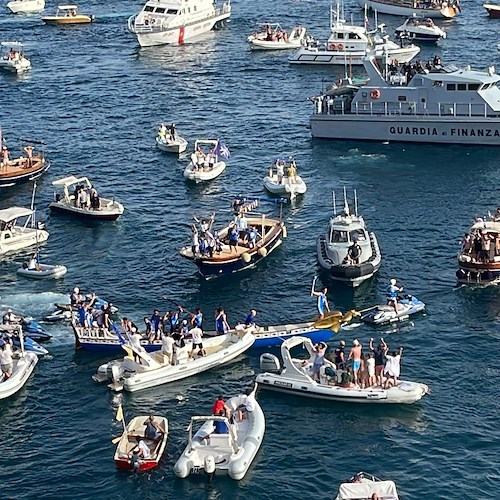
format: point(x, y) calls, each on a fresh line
point(36, 271)
point(422, 29)
point(283, 179)
point(169, 141)
point(384, 314)
point(272, 37)
point(212, 451)
point(141, 370)
point(364, 485)
point(207, 160)
point(296, 378)
point(135, 450)
point(84, 201)
point(13, 58)
point(348, 251)
point(23, 364)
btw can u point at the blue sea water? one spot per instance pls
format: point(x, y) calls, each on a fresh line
point(95, 98)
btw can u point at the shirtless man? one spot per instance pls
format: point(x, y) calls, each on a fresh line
point(355, 355)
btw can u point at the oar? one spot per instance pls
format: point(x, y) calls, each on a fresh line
point(313, 284)
point(178, 305)
point(118, 438)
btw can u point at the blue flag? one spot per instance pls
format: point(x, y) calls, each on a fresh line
point(222, 150)
point(118, 334)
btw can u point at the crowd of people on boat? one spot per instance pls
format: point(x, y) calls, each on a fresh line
point(410, 69)
point(481, 245)
point(86, 198)
point(356, 369)
point(284, 170)
point(167, 133)
point(202, 161)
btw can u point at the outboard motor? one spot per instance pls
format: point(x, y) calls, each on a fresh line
point(113, 372)
point(209, 465)
point(269, 363)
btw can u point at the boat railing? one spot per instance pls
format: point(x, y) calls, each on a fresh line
point(226, 7)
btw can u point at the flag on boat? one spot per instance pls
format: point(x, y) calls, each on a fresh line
point(119, 414)
point(222, 150)
point(118, 334)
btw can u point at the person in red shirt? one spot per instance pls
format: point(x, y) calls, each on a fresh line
point(220, 405)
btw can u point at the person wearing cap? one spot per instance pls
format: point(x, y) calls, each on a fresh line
point(319, 359)
point(339, 356)
point(10, 318)
point(322, 302)
point(392, 294)
point(355, 355)
point(6, 363)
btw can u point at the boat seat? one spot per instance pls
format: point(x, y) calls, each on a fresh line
point(219, 440)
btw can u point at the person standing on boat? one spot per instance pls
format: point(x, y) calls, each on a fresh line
point(195, 241)
point(197, 318)
point(339, 356)
point(393, 368)
point(251, 237)
point(5, 157)
point(156, 324)
point(221, 324)
point(392, 294)
point(196, 335)
point(355, 355)
point(233, 238)
point(29, 155)
point(322, 302)
point(379, 354)
point(319, 359)
point(354, 253)
point(6, 363)
point(250, 319)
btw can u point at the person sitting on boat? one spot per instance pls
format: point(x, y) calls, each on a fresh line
point(6, 363)
point(196, 335)
point(34, 264)
point(220, 426)
point(221, 406)
point(5, 157)
point(95, 201)
point(392, 368)
point(180, 335)
point(10, 318)
point(233, 238)
point(319, 359)
point(153, 429)
point(392, 294)
point(249, 403)
point(353, 254)
point(347, 379)
point(221, 324)
point(322, 302)
point(143, 450)
point(250, 319)
point(203, 246)
point(251, 237)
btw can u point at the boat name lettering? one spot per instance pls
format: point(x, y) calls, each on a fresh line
point(283, 384)
point(454, 132)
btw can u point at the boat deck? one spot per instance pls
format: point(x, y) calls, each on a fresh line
point(21, 166)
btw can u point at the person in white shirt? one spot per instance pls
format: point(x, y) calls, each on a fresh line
point(249, 402)
point(144, 451)
point(370, 366)
point(6, 363)
point(167, 343)
point(196, 335)
point(393, 368)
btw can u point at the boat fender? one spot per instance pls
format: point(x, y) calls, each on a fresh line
point(375, 94)
point(209, 464)
point(332, 46)
point(263, 251)
point(340, 46)
point(245, 257)
point(283, 230)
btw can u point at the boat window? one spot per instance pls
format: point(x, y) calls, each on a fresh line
point(437, 83)
point(474, 86)
point(194, 8)
point(160, 10)
point(189, 10)
point(418, 82)
point(451, 86)
point(401, 98)
point(462, 86)
point(353, 36)
point(340, 36)
point(172, 12)
point(339, 237)
point(149, 8)
point(357, 235)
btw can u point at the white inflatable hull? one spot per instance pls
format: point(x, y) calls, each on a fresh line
point(15, 66)
point(287, 188)
point(202, 175)
point(237, 464)
point(256, 44)
point(23, 368)
point(26, 6)
point(46, 272)
point(177, 146)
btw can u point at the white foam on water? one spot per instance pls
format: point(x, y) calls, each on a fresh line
point(32, 304)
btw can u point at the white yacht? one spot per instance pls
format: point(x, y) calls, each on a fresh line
point(175, 22)
point(347, 45)
point(422, 29)
point(15, 236)
point(446, 9)
point(26, 6)
point(443, 105)
point(13, 58)
point(348, 251)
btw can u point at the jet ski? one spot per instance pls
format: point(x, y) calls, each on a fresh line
point(34, 330)
point(30, 345)
point(385, 314)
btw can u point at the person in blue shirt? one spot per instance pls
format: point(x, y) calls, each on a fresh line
point(220, 425)
point(250, 319)
point(392, 294)
point(251, 237)
point(155, 323)
point(221, 325)
point(197, 318)
point(233, 238)
point(322, 302)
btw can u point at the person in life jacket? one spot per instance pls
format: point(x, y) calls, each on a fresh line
point(392, 294)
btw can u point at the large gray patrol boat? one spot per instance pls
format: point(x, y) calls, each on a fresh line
point(444, 105)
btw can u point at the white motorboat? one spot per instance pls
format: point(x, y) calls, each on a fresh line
point(84, 202)
point(273, 37)
point(23, 364)
point(13, 58)
point(43, 271)
point(175, 22)
point(206, 165)
point(420, 28)
point(26, 6)
point(435, 9)
point(14, 237)
point(492, 9)
point(133, 432)
point(347, 46)
point(283, 179)
point(348, 251)
point(169, 141)
point(364, 485)
point(68, 14)
point(232, 452)
point(154, 369)
point(295, 378)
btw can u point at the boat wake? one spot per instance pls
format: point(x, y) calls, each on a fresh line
point(32, 304)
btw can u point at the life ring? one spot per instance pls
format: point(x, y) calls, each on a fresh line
point(340, 46)
point(375, 94)
point(332, 46)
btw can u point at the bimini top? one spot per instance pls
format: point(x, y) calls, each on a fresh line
point(354, 491)
point(67, 7)
point(12, 44)
point(70, 180)
point(12, 213)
